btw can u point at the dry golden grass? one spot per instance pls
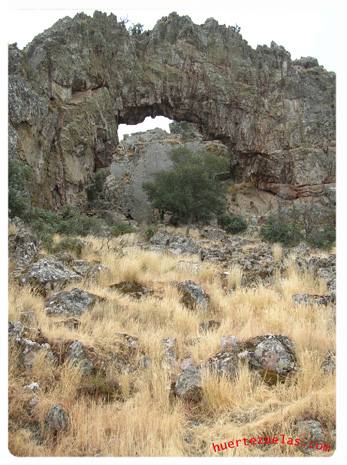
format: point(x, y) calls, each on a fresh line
point(145, 422)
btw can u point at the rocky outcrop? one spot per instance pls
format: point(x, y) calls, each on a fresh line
point(71, 303)
point(72, 86)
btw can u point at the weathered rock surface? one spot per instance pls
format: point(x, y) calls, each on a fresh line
point(23, 248)
point(188, 385)
point(48, 274)
point(71, 303)
point(224, 363)
point(131, 288)
point(329, 362)
point(176, 244)
point(75, 82)
point(310, 430)
point(56, 419)
point(77, 357)
point(272, 356)
point(313, 299)
point(193, 296)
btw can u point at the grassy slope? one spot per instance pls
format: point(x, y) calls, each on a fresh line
point(146, 423)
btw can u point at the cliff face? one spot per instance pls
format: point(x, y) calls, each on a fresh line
point(74, 83)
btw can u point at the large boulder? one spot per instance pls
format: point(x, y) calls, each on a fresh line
point(193, 296)
point(188, 386)
point(78, 357)
point(56, 419)
point(71, 303)
point(272, 356)
point(48, 274)
point(173, 243)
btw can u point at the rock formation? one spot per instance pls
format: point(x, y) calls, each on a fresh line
point(72, 86)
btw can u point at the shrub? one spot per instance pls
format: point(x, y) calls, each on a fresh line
point(69, 243)
point(19, 176)
point(232, 224)
point(121, 228)
point(97, 185)
point(190, 190)
point(150, 231)
point(278, 229)
point(322, 238)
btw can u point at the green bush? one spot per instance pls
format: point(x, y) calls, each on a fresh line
point(279, 229)
point(97, 185)
point(232, 224)
point(322, 238)
point(19, 176)
point(150, 231)
point(190, 190)
point(121, 228)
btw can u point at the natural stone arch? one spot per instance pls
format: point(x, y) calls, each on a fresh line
point(74, 83)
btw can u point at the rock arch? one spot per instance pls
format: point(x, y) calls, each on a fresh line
point(74, 83)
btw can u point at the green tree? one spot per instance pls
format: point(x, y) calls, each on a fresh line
point(190, 190)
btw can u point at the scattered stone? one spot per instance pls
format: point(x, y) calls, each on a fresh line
point(70, 323)
point(15, 330)
point(28, 317)
point(210, 325)
point(23, 248)
point(56, 419)
point(71, 303)
point(170, 351)
point(310, 430)
point(48, 274)
point(128, 342)
point(188, 385)
point(229, 343)
point(132, 288)
point(313, 299)
point(213, 234)
point(329, 363)
point(193, 296)
point(144, 362)
point(33, 387)
point(30, 349)
point(175, 244)
point(77, 357)
point(90, 270)
point(224, 363)
point(273, 357)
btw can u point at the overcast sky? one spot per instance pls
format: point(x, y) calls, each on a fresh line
point(303, 27)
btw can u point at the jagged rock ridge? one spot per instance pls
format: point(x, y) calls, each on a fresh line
point(74, 83)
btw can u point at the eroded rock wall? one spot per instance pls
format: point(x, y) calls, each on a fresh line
point(74, 83)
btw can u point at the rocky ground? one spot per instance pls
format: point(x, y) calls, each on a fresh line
point(162, 346)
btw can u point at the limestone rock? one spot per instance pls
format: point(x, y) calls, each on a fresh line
point(170, 350)
point(188, 384)
point(329, 363)
point(48, 274)
point(131, 288)
point(210, 325)
point(77, 357)
point(71, 303)
point(56, 419)
point(313, 299)
point(310, 430)
point(193, 296)
point(224, 363)
point(67, 97)
point(176, 244)
point(23, 248)
point(272, 356)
